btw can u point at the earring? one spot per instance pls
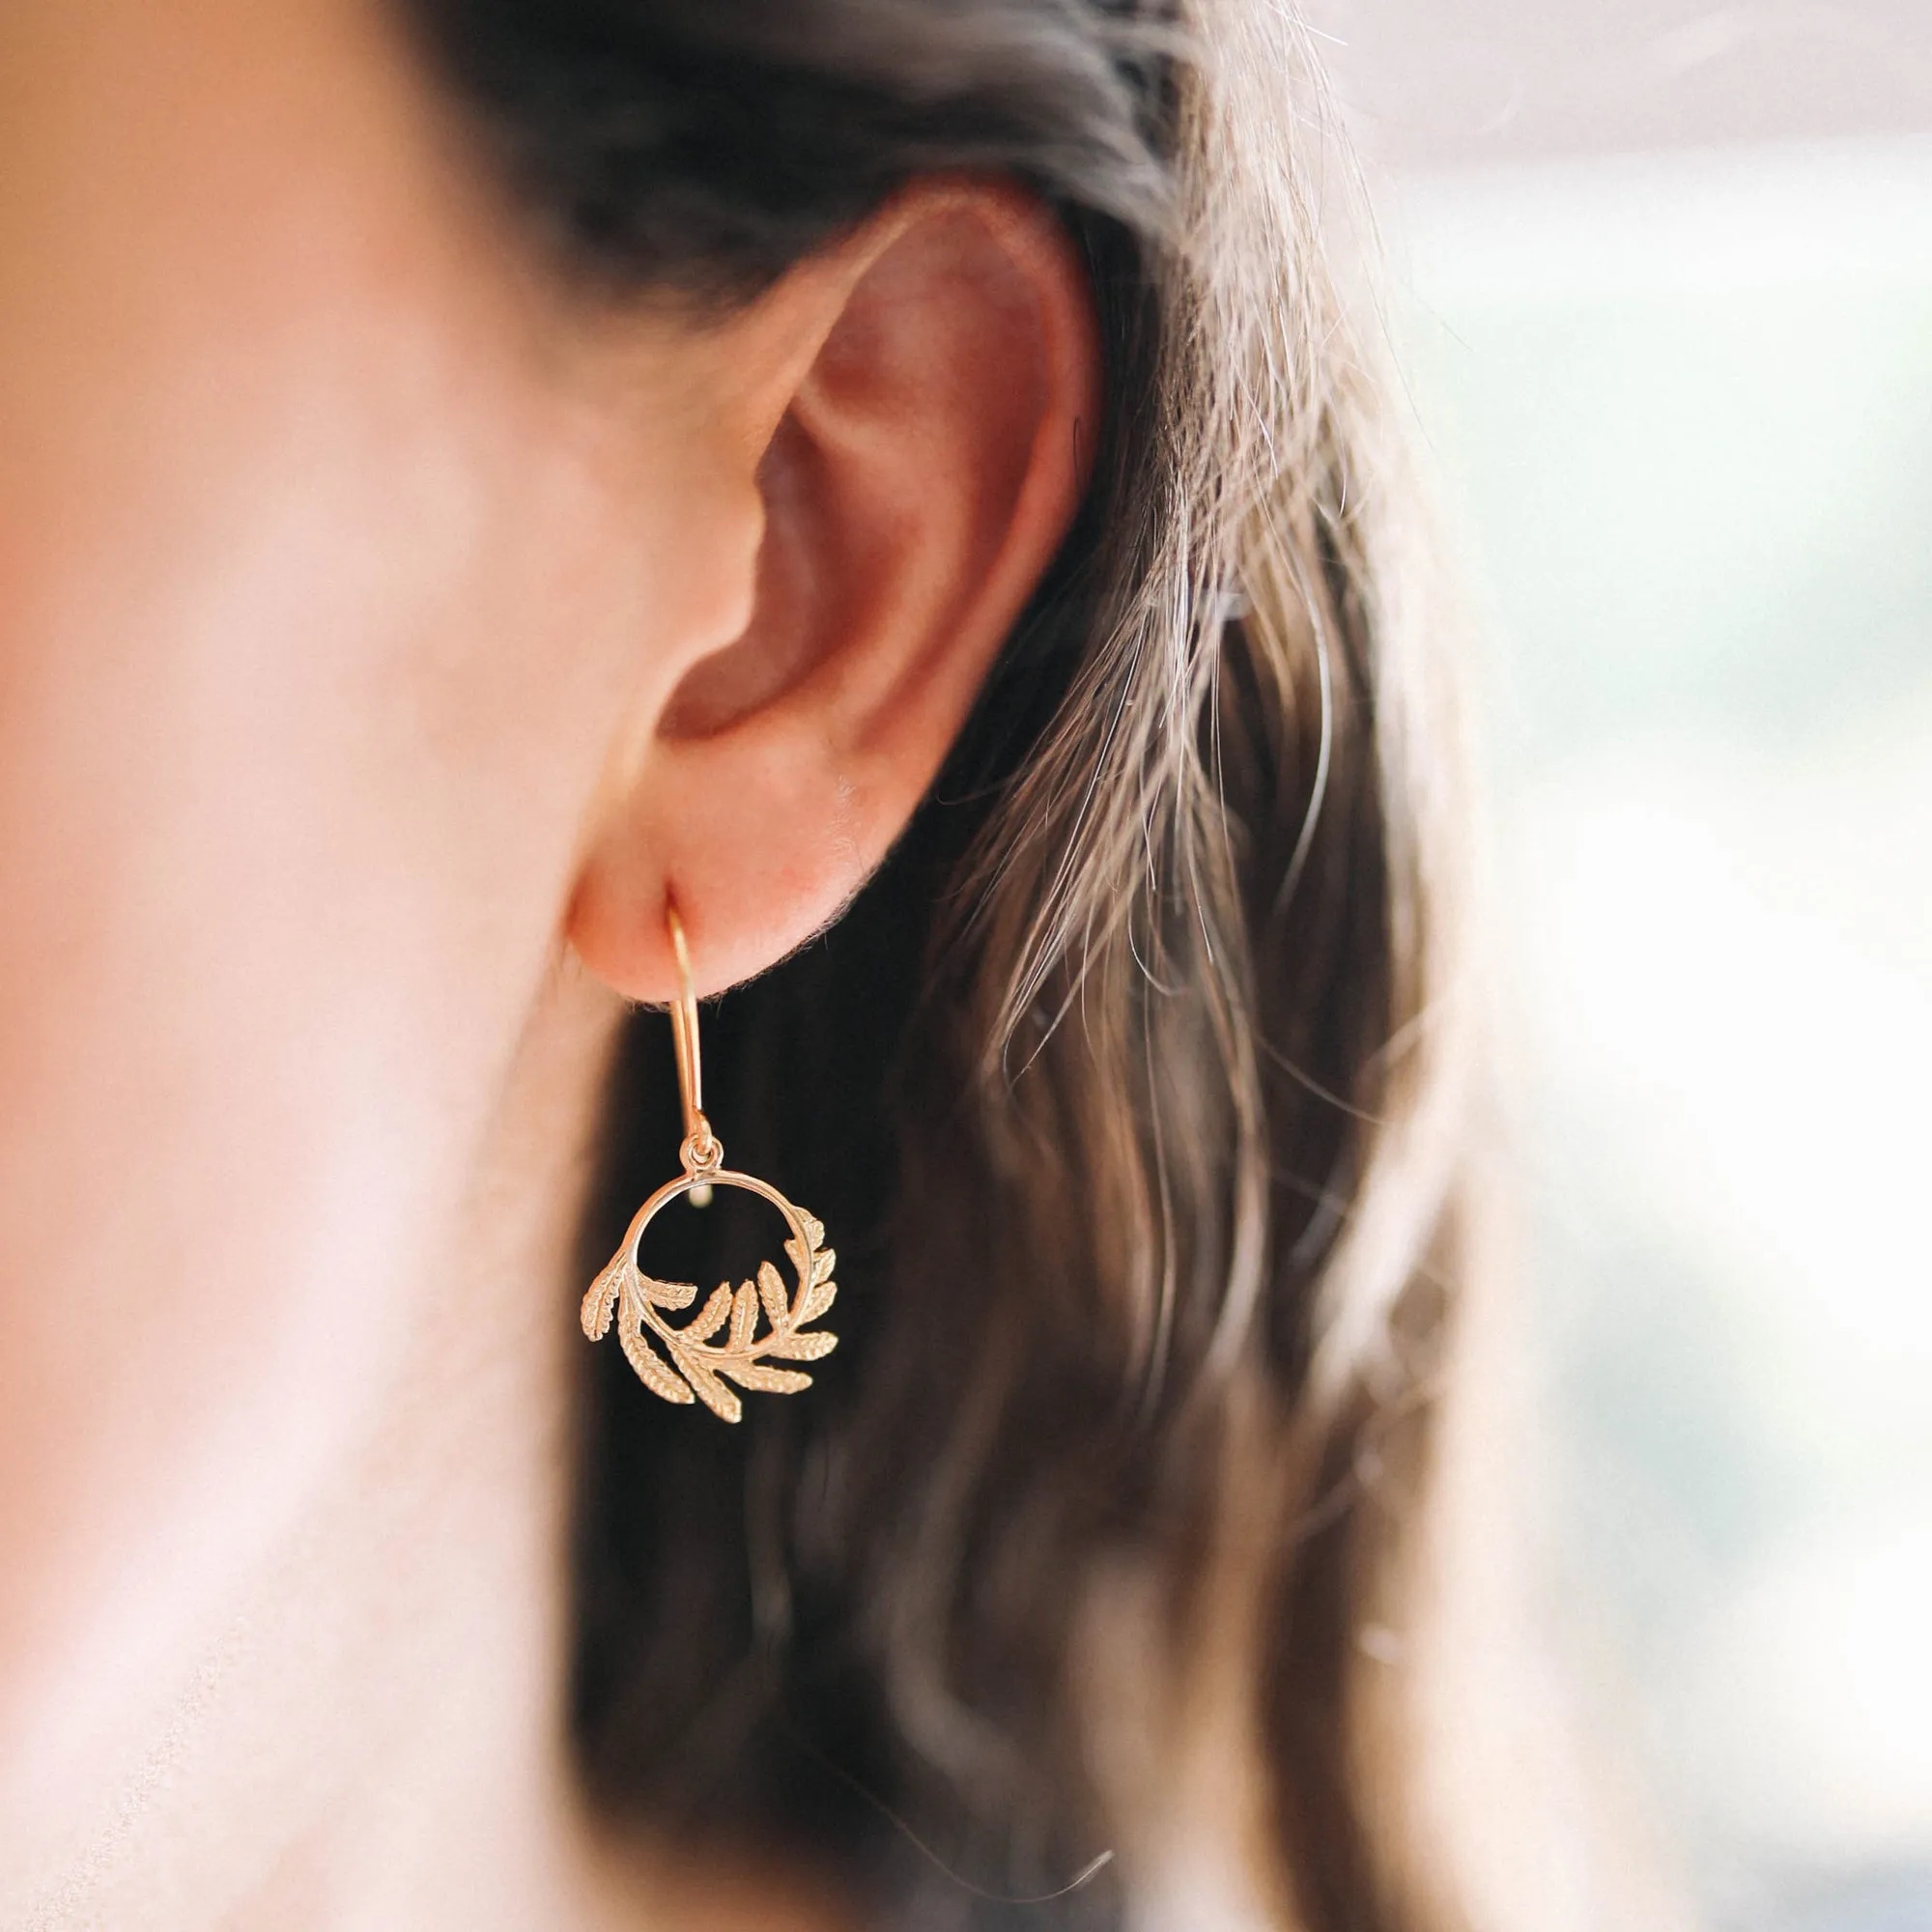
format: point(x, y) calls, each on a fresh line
point(693, 1362)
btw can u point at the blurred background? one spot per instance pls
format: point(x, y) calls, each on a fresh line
point(1664, 295)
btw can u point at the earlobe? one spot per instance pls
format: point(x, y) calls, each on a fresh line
point(916, 483)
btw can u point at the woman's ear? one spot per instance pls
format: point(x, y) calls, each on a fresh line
point(919, 398)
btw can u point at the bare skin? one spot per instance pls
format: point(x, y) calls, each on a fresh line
point(384, 634)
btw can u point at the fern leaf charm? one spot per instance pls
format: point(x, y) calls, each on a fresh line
point(738, 1334)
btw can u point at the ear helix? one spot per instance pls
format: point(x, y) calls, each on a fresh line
point(761, 1324)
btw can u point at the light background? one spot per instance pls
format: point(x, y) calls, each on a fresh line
point(1665, 291)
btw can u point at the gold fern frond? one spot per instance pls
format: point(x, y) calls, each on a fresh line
point(710, 1391)
point(711, 1317)
point(755, 1375)
point(744, 1318)
point(800, 1348)
point(699, 1358)
point(601, 1298)
point(656, 1374)
point(772, 1289)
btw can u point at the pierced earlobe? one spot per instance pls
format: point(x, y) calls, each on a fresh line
point(693, 1364)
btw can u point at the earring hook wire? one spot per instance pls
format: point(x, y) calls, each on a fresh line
point(701, 1149)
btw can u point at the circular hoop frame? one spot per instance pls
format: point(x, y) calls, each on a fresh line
point(796, 1219)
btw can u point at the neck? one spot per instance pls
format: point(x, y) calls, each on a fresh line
point(377, 1737)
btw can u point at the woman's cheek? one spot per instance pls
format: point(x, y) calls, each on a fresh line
point(313, 624)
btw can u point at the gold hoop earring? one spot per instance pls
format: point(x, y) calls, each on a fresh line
point(693, 1362)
